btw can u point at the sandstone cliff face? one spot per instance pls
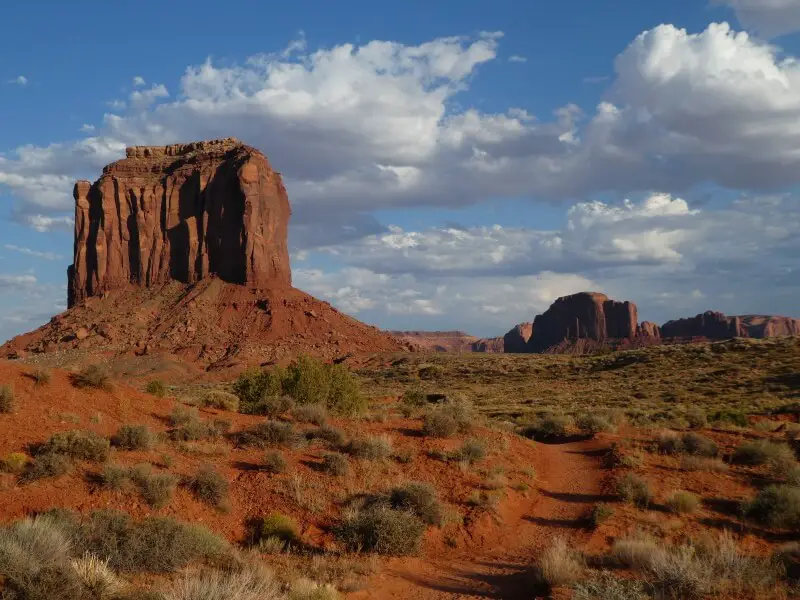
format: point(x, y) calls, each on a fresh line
point(181, 213)
point(493, 345)
point(650, 330)
point(516, 340)
point(587, 315)
point(717, 326)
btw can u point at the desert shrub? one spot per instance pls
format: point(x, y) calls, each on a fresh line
point(335, 463)
point(274, 462)
point(682, 502)
point(328, 433)
point(82, 445)
point(633, 489)
point(156, 388)
point(380, 529)
point(345, 397)
point(154, 544)
point(134, 437)
point(471, 451)
point(607, 586)
point(307, 381)
point(670, 442)
point(419, 498)
point(414, 396)
point(181, 415)
point(593, 423)
point(46, 465)
point(220, 399)
point(430, 371)
point(700, 463)
point(209, 486)
point(619, 455)
point(14, 462)
point(548, 426)
point(93, 376)
point(759, 452)
point(310, 413)
point(115, 477)
point(404, 455)
point(241, 584)
point(637, 552)
point(696, 418)
point(600, 514)
point(276, 526)
point(483, 499)
point(787, 556)
point(190, 428)
point(271, 406)
point(155, 488)
point(7, 399)
point(255, 385)
point(730, 417)
point(447, 419)
point(560, 565)
point(97, 579)
point(370, 448)
point(269, 433)
point(776, 506)
point(40, 376)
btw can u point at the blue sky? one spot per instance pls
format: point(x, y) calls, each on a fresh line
point(450, 166)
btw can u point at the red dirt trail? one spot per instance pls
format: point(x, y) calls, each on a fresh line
point(570, 482)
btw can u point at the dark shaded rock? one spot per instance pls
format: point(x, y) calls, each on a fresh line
point(516, 340)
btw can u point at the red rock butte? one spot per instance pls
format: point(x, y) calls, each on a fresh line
point(181, 213)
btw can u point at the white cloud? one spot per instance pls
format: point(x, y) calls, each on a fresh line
point(44, 223)
point(139, 81)
point(142, 99)
point(36, 253)
point(20, 80)
point(770, 18)
point(517, 58)
point(16, 280)
point(86, 128)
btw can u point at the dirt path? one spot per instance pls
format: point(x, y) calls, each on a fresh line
point(569, 478)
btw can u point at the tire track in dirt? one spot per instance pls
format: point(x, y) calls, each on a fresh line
point(569, 485)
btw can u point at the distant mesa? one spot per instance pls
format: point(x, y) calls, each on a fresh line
point(716, 325)
point(516, 340)
point(182, 250)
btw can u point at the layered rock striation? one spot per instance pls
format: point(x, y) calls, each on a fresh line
point(181, 213)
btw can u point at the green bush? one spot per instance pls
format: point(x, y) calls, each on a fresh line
point(115, 477)
point(730, 417)
point(345, 397)
point(46, 465)
point(633, 489)
point(548, 426)
point(81, 445)
point(134, 437)
point(592, 423)
point(419, 498)
point(759, 452)
point(370, 448)
point(255, 385)
point(14, 462)
point(7, 399)
point(220, 399)
point(681, 502)
point(93, 376)
point(156, 488)
point(335, 463)
point(276, 526)
point(310, 413)
point(156, 388)
point(209, 486)
point(274, 462)
point(470, 451)
point(270, 433)
point(776, 506)
point(381, 529)
point(447, 419)
point(600, 514)
point(307, 381)
point(414, 396)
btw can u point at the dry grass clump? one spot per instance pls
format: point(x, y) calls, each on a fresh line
point(93, 376)
point(156, 388)
point(76, 444)
point(329, 434)
point(420, 499)
point(14, 462)
point(46, 465)
point(274, 462)
point(471, 451)
point(593, 423)
point(210, 486)
point(243, 584)
point(607, 586)
point(681, 502)
point(270, 434)
point(310, 413)
point(274, 528)
point(634, 489)
point(370, 448)
point(670, 442)
point(696, 418)
point(7, 399)
point(381, 529)
point(560, 565)
point(760, 452)
point(134, 437)
point(548, 427)
point(600, 514)
point(335, 463)
point(414, 397)
point(156, 489)
point(99, 581)
point(700, 463)
point(40, 376)
point(621, 455)
point(447, 419)
point(696, 570)
point(776, 506)
point(188, 427)
point(220, 399)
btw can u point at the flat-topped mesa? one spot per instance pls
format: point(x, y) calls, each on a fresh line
point(586, 315)
point(181, 212)
point(718, 326)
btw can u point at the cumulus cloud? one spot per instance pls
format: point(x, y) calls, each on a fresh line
point(20, 80)
point(770, 18)
point(16, 280)
point(35, 253)
point(139, 81)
